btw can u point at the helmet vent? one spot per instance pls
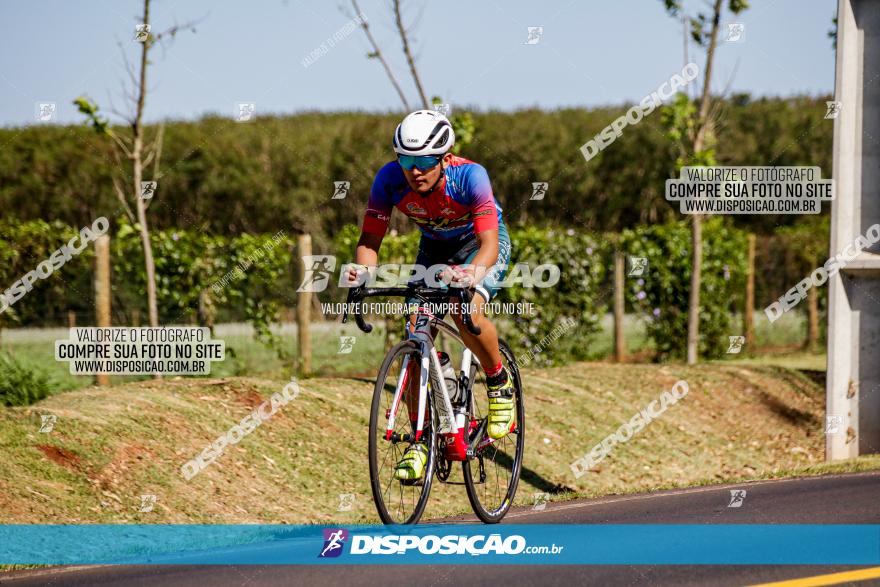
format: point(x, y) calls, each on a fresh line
point(441, 142)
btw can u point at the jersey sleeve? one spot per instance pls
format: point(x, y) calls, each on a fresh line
point(483, 208)
point(379, 206)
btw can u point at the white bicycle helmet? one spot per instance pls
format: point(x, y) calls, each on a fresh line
point(424, 132)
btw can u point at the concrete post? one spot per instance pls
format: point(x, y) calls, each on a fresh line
point(853, 383)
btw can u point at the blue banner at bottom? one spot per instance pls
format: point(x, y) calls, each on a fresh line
point(611, 544)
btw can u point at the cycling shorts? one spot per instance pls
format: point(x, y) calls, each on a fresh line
point(435, 252)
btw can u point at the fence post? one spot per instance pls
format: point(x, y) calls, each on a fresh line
point(619, 284)
point(102, 291)
point(303, 308)
point(71, 319)
point(749, 310)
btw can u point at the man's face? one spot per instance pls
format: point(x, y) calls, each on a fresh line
point(422, 182)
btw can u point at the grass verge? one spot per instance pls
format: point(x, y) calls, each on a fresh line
point(112, 445)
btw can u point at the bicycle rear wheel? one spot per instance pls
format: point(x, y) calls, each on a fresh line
point(399, 502)
point(492, 474)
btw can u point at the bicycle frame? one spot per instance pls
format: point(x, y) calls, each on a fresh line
point(452, 426)
point(455, 428)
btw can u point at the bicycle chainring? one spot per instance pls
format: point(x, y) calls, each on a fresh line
point(443, 468)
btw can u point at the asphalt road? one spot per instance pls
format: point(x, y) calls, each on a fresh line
point(838, 499)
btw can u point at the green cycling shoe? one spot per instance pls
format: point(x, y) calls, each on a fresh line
point(412, 466)
point(501, 408)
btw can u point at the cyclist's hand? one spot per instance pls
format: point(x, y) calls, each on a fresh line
point(458, 276)
point(355, 275)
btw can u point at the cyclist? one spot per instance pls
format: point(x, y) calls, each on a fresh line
point(451, 200)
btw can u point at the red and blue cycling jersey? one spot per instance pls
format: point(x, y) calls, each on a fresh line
point(456, 210)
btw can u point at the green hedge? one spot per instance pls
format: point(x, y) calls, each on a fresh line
point(251, 274)
point(23, 246)
point(234, 178)
point(246, 277)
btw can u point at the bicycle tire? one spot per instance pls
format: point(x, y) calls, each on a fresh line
point(485, 514)
point(377, 419)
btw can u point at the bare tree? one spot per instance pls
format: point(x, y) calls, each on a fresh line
point(137, 149)
point(398, 19)
point(693, 337)
point(377, 54)
point(137, 160)
point(407, 52)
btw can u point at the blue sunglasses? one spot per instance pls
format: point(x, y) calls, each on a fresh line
point(423, 162)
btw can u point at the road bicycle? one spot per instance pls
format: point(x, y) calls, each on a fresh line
point(419, 397)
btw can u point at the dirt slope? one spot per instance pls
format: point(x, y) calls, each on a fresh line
point(109, 446)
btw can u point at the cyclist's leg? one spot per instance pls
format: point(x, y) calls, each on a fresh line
point(485, 346)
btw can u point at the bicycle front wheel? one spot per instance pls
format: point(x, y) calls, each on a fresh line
point(491, 475)
point(399, 502)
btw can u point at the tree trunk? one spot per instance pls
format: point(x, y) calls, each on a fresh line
point(138, 173)
point(693, 339)
point(149, 264)
point(137, 160)
point(703, 123)
point(206, 311)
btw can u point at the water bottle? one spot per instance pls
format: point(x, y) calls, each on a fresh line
point(449, 376)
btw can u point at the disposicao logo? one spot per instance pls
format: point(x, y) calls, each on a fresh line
point(334, 539)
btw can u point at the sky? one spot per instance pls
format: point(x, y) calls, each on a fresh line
point(471, 53)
